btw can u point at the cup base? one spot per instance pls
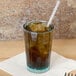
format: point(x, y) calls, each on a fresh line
point(37, 70)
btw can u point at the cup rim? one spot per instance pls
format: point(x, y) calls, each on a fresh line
point(33, 21)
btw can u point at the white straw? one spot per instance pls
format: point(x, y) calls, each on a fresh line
point(53, 13)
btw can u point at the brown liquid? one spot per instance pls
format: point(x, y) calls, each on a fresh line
point(38, 50)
